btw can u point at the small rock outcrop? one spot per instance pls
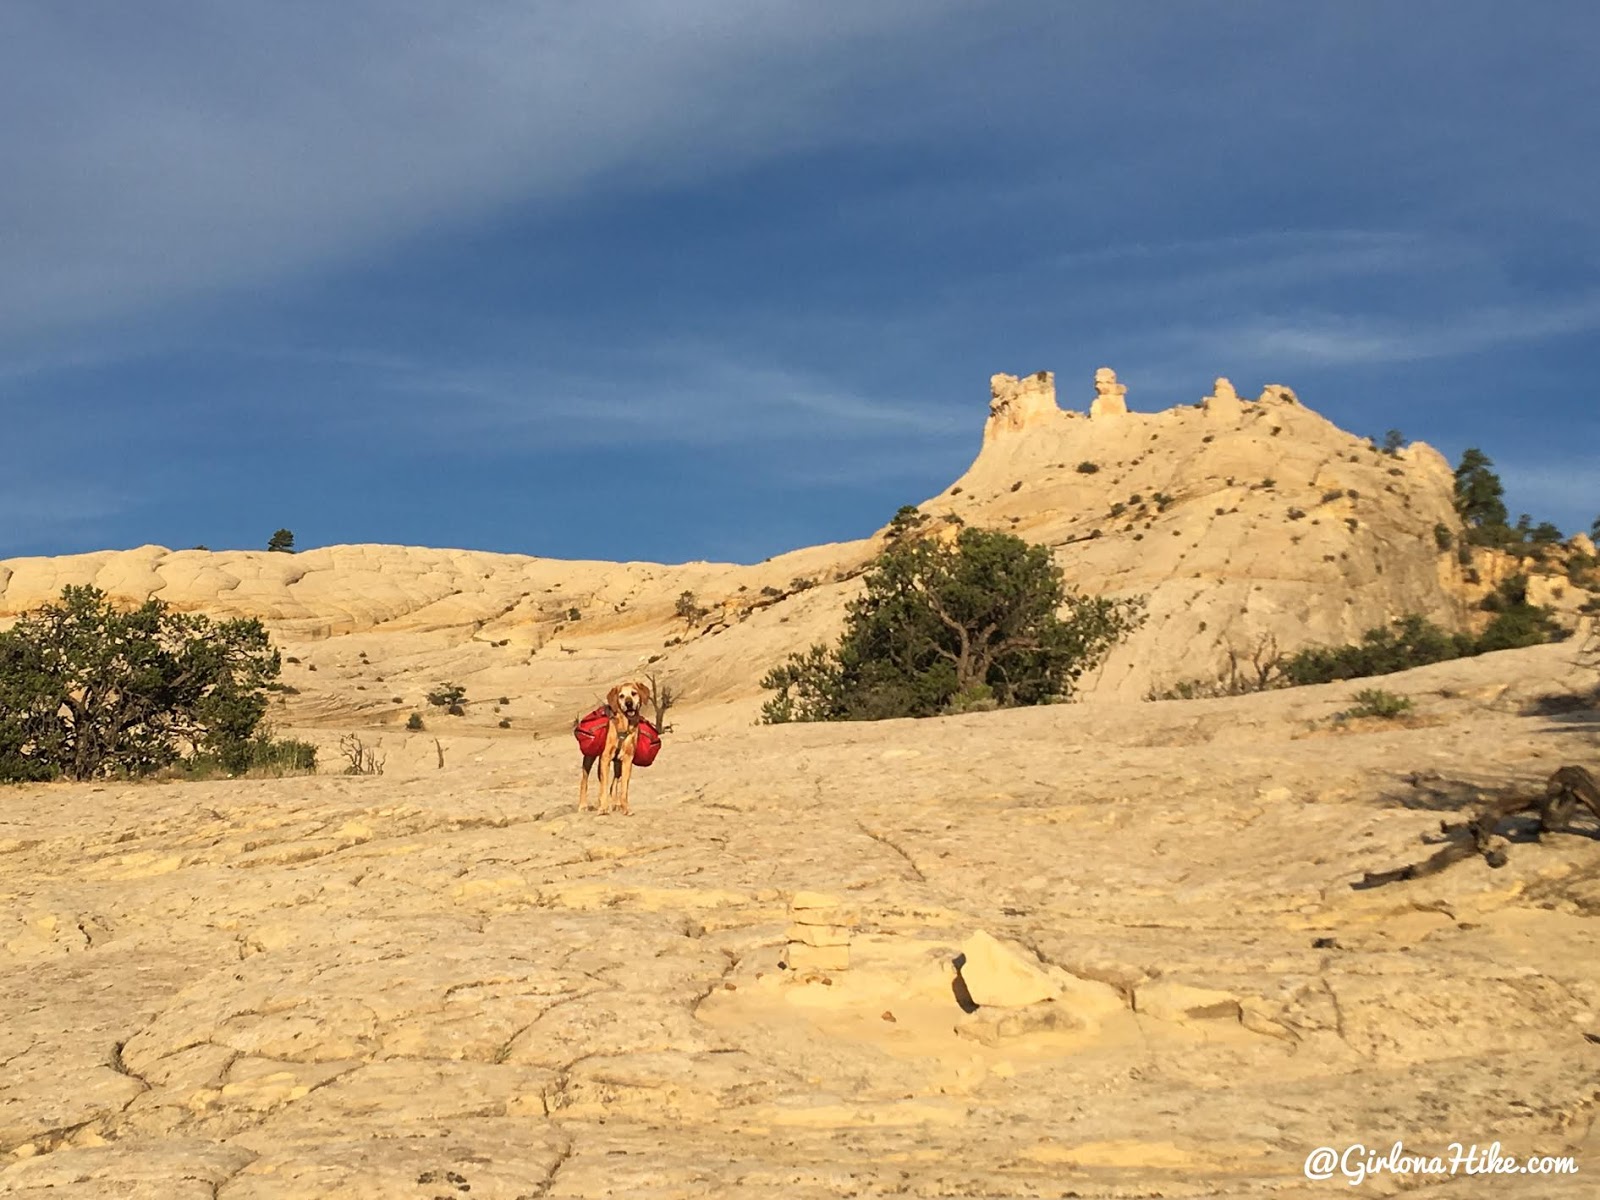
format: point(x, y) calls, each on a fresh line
point(1002, 976)
point(1109, 396)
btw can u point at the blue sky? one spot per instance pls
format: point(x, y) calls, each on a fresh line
point(678, 279)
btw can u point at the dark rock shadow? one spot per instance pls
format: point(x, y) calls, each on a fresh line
point(958, 987)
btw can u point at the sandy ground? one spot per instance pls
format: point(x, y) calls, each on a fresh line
point(447, 982)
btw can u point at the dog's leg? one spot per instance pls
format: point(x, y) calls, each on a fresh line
point(627, 772)
point(607, 768)
point(583, 784)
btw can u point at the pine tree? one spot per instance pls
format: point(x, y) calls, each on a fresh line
point(1480, 496)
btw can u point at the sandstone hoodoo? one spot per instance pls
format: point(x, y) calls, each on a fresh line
point(1110, 397)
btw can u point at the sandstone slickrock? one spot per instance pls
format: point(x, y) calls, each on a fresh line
point(436, 980)
point(1170, 1001)
point(440, 981)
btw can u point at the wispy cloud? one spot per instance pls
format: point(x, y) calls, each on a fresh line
point(38, 515)
point(682, 394)
point(1566, 486)
point(175, 149)
point(1350, 340)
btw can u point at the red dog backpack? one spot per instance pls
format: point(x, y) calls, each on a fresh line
point(648, 745)
point(591, 735)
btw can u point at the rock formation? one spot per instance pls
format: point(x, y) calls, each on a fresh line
point(819, 933)
point(1223, 402)
point(1017, 404)
point(1110, 397)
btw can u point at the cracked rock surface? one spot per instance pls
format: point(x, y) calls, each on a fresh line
point(448, 982)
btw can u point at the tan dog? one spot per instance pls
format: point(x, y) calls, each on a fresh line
point(626, 702)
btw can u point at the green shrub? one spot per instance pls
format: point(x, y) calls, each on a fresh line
point(414, 722)
point(87, 691)
point(689, 609)
point(447, 695)
point(905, 520)
point(260, 755)
point(1088, 468)
point(1516, 623)
point(1442, 537)
point(944, 627)
point(1375, 702)
point(281, 542)
point(1411, 641)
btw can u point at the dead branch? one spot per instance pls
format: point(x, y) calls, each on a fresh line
point(362, 759)
point(1565, 793)
point(662, 697)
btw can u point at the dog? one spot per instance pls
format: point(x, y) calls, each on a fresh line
point(625, 703)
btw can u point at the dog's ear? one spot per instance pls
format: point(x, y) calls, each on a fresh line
point(643, 690)
point(614, 699)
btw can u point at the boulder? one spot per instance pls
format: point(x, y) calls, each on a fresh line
point(1003, 975)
